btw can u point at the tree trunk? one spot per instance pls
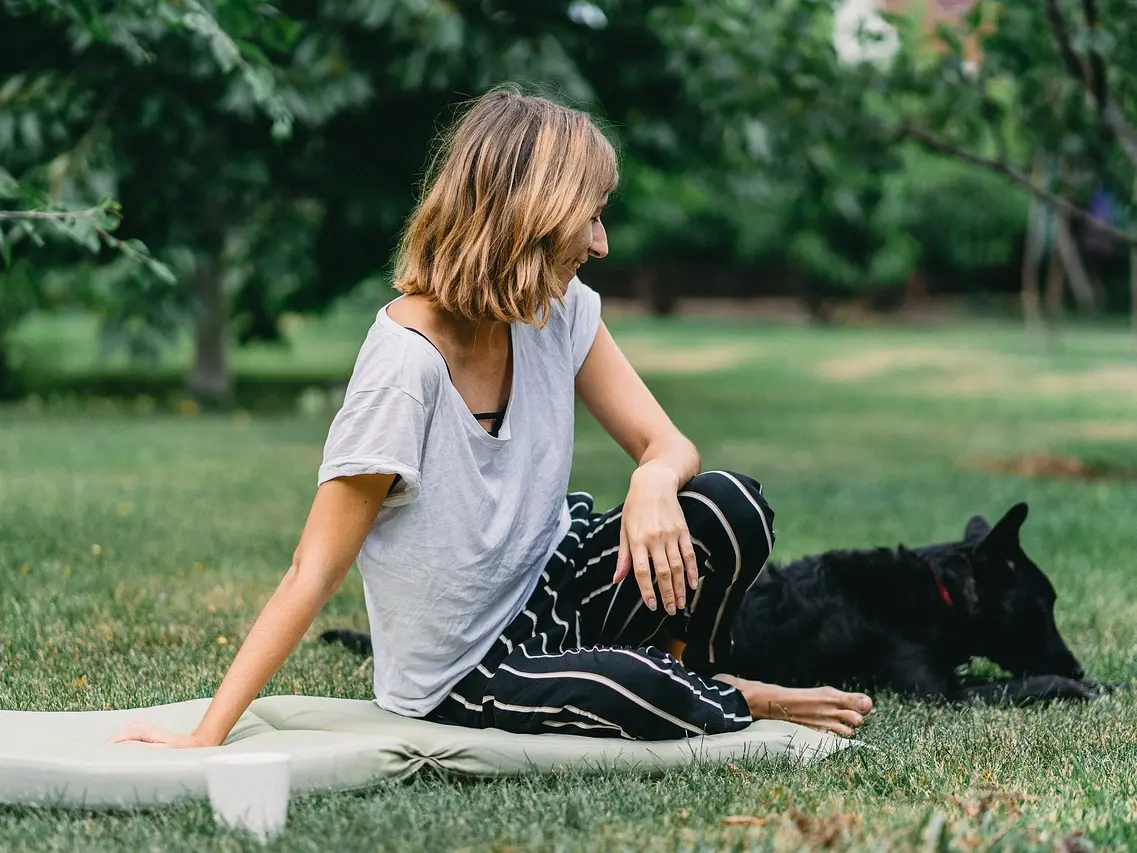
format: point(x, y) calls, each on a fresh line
point(654, 292)
point(211, 379)
point(1133, 274)
point(1055, 279)
point(1072, 262)
point(9, 382)
point(1032, 256)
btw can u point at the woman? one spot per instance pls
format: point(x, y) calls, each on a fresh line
point(493, 600)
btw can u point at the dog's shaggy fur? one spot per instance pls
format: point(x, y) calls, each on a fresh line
point(908, 620)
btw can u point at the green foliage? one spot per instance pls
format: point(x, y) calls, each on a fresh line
point(78, 115)
point(962, 218)
point(1009, 86)
point(281, 147)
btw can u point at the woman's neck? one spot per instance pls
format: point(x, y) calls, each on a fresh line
point(471, 338)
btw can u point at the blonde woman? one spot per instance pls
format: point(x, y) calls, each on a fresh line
point(492, 599)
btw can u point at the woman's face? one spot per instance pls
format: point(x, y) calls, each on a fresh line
point(590, 242)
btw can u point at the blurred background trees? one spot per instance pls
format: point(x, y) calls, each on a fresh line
point(207, 167)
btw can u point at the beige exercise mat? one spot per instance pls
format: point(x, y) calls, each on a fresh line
point(62, 758)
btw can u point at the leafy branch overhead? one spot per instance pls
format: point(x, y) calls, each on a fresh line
point(1006, 84)
point(52, 193)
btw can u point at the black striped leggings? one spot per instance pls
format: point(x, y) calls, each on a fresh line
point(576, 660)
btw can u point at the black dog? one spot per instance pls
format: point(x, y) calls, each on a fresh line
point(903, 620)
point(906, 621)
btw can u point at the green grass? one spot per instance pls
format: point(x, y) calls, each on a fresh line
point(133, 536)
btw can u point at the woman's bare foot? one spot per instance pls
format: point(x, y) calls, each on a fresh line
point(824, 708)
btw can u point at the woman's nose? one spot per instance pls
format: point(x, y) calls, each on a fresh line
point(599, 245)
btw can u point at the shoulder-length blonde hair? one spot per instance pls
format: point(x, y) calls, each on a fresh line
point(514, 183)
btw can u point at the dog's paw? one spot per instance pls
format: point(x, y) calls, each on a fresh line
point(1069, 688)
point(357, 641)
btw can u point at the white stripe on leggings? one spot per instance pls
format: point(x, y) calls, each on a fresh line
point(549, 589)
point(615, 517)
point(758, 509)
point(607, 552)
point(545, 709)
point(737, 566)
point(611, 685)
point(727, 689)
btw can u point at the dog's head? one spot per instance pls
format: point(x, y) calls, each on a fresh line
point(1014, 606)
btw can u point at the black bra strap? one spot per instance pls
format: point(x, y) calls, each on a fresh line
point(497, 417)
point(436, 349)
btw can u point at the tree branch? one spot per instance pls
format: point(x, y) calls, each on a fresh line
point(1061, 32)
point(1057, 202)
point(1099, 81)
point(1111, 115)
point(50, 214)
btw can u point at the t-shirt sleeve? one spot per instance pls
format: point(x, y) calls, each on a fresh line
point(583, 304)
point(378, 431)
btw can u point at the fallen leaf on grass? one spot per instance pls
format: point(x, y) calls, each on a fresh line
point(221, 641)
point(977, 806)
point(743, 820)
point(1075, 843)
point(824, 831)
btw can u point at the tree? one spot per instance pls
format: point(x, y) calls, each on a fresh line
point(1004, 88)
point(80, 97)
point(177, 129)
point(783, 103)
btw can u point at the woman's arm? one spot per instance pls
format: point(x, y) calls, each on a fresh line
point(653, 532)
point(342, 513)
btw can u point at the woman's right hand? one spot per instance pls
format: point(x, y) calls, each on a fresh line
point(342, 513)
point(140, 732)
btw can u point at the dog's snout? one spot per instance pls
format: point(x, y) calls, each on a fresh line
point(1079, 672)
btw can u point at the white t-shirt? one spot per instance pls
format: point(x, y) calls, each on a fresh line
point(463, 537)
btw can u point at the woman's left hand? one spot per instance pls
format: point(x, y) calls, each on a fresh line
point(653, 533)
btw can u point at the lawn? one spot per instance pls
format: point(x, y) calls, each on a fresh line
point(139, 539)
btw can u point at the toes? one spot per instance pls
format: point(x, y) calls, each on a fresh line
point(850, 718)
point(859, 702)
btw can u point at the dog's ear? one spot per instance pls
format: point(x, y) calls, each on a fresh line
point(1006, 529)
point(977, 528)
point(1004, 534)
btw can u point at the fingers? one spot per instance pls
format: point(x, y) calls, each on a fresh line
point(687, 555)
point(624, 557)
point(665, 577)
point(671, 556)
point(641, 564)
point(132, 731)
point(678, 572)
